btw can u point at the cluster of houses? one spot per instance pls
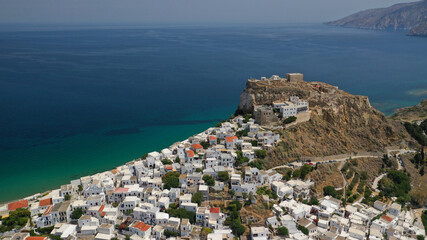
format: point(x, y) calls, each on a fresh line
point(132, 200)
point(332, 220)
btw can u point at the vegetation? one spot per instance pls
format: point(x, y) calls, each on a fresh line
point(67, 197)
point(303, 229)
point(16, 219)
point(387, 161)
point(417, 131)
point(396, 184)
point(234, 220)
point(306, 169)
point(242, 133)
point(169, 234)
point(197, 198)
point(257, 164)
point(290, 119)
point(182, 213)
point(166, 161)
point(330, 191)
point(260, 154)
point(424, 219)
point(45, 231)
point(313, 201)
point(283, 231)
point(240, 158)
point(418, 159)
point(209, 180)
point(223, 176)
point(247, 117)
point(77, 213)
point(266, 191)
point(205, 144)
point(171, 180)
point(80, 188)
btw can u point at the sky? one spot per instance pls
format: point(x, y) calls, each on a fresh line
point(181, 11)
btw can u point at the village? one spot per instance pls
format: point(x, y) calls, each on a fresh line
point(200, 188)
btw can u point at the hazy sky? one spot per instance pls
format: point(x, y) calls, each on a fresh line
point(181, 11)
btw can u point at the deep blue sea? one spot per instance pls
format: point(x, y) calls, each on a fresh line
point(78, 100)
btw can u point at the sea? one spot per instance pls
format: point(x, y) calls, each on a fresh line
point(77, 100)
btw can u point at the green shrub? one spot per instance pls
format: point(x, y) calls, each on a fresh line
point(290, 119)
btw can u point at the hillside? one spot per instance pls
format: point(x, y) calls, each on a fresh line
point(407, 16)
point(411, 114)
point(340, 122)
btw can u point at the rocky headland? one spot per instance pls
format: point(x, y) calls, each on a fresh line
point(404, 16)
point(339, 123)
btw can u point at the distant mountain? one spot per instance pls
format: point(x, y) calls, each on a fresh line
point(408, 16)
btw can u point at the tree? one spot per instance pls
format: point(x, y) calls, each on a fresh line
point(296, 173)
point(197, 198)
point(314, 201)
point(303, 229)
point(235, 205)
point(209, 180)
point(237, 227)
point(223, 176)
point(242, 133)
point(283, 231)
point(169, 233)
point(261, 154)
point(171, 180)
point(166, 161)
point(182, 213)
point(67, 197)
point(16, 219)
point(205, 144)
point(77, 213)
point(80, 188)
point(289, 120)
point(330, 191)
point(306, 169)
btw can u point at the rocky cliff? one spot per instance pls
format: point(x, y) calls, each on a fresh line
point(340, 122)
point(408, 16)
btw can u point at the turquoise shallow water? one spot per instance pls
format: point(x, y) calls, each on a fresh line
point(76, 101)
point(49, 165)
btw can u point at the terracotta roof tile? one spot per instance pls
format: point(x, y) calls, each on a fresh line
point(190, 153)
point(121, 190)
point(141, 226)
point(230, 139)
point(36, 238)
point(215, 210)
point(197, 146)
point(18, 204)
point(45, 202)
point(101, 208)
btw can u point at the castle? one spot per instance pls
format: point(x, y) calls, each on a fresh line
point(290, 77)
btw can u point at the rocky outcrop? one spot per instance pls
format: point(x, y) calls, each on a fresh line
point(408, 16)
point(411, 114)
point(340, 122)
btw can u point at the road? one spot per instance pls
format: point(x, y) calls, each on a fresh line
point(400, 164)
point(376, 181)
point(401, 151)
point(326, 161)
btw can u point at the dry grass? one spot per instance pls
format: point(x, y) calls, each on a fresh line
point(418, 182)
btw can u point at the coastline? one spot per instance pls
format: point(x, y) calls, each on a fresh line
point(100, 153)
point(36, 195)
